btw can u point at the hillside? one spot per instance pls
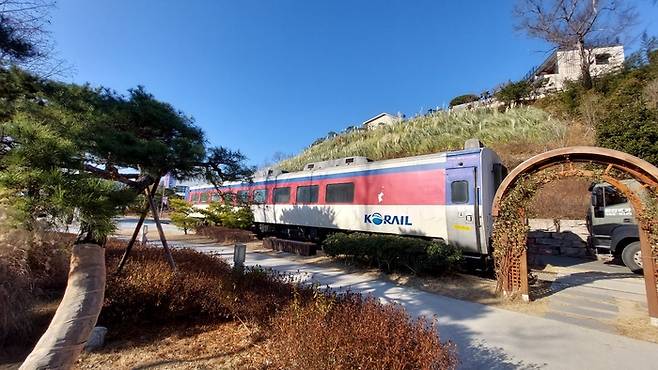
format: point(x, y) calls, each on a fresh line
point(620, 112)
point(514, 134)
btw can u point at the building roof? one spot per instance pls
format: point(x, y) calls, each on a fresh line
point(380, 115)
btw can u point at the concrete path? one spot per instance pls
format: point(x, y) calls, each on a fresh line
point(486, 337)
point(593, 294)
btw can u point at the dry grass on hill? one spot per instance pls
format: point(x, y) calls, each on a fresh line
point(516, 135)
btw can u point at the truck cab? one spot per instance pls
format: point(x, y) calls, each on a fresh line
point(612, 226)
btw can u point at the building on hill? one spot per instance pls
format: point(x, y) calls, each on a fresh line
point(382, 119)
point(564, 65)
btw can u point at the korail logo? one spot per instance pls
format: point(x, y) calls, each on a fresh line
point(379, 219)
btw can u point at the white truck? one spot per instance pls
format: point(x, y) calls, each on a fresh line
point(612, 226)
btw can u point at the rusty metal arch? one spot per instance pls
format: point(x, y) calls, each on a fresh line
point(641, 170)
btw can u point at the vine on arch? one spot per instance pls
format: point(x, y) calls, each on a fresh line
point(510, 232)
point(649, 221)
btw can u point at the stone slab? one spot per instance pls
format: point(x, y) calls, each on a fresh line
point(588, 323)
point(554, 306)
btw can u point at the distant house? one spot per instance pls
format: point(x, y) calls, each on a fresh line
point(564, 65)
point(382, 119)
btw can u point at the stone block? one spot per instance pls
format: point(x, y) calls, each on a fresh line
point(573, 251)
point(545, 224)
point(96, 339)
point(539, 234)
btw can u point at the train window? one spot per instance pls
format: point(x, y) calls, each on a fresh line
point(229, 198)
point(214, 197)
point(281, 195)
point(243, 196)
point(459, 191)
point(307, 194)
point(340, 193)
point(260, 196)
point(204, 197)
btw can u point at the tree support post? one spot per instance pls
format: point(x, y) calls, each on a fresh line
point(156, 218)
point(124, 258)
point(142, 217)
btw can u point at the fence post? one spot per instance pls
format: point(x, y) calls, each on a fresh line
point(145, 231)
point(239, 255)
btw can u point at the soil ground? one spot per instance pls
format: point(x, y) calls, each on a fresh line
point(221, 346)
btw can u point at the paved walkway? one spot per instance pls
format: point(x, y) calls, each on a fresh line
point(592, 294)
point(486, 337)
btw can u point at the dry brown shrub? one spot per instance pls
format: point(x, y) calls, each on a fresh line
point(513, 154)
point(32, 264)
point(591, 109)
point(204, 287)
point(651, 93)
point(566, 198)
point(352, 332)
point(225, 235)
point(306, 328)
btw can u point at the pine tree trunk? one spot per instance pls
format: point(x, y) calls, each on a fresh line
point(76, 316)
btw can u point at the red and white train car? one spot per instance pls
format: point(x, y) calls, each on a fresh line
point(444, 196)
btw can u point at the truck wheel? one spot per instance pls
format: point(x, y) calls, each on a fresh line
point(632, 257)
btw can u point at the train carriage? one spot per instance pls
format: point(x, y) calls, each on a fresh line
point(444, 196)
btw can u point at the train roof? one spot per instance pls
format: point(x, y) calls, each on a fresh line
point(375, 165)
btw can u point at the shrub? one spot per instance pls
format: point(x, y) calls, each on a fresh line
point(392, 252)
point(204, 287)
point(180, 215)
point(32, 264)
point(463, 99)
point(622, 106)
point(303, 326)
point(514, 92)
point(630, 125)
point(227, 215)
point(225, 235)
point(351, 332)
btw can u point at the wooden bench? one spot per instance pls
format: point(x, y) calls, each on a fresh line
point(290, 246)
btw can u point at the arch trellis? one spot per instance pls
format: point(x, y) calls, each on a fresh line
point(518, 188)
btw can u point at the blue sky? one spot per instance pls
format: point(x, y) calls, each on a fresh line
point(272, 76)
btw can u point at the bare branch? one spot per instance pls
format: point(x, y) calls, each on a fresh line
point(25, 39)
point(576, 24)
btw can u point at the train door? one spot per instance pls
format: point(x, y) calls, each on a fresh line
point(462, 208)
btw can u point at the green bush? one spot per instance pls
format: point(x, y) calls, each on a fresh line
point(180, 215)
point(621, 106)
point(392, 252)
point(463, 99)
point(222, 214)
point(630, 123)
point(514, 92)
